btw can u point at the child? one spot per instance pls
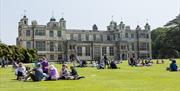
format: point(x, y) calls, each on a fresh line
point(20, 71)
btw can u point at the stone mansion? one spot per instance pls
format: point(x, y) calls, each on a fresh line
point(56, 42)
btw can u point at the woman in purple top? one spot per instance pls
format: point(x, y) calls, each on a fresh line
point(53, 73)
point(45, 65)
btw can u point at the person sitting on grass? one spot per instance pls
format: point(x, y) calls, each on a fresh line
point(157, 62)
point(65, 73)
point(173, 66)
point(101, 64)
point(162, 61)
point(132, 62)
point(53, 73)
point(45, 65)
point(20, 71)
point(74, 73)
point(113, 65)
point(148, 63)
point(36, 74)
point(83, 63)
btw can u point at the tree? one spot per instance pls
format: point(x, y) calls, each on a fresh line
point(165, 42)
point(16, 53)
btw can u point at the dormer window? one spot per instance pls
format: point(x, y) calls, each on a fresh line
point(25, 22)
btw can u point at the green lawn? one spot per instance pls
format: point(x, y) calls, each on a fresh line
point(154, 78)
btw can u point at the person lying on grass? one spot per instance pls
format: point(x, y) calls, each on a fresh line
point(36, 74)
point(53, 73)
point(20, 71)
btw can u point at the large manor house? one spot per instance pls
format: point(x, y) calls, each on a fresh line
point(56, 42)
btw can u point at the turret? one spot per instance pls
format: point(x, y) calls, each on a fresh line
point(147, 27)
point(62, 23)
point(121, 26)
point(94, 27)
point(112, 26)
point(23, 21)
point(52, 19)
point(52, 23)
point(138, 27)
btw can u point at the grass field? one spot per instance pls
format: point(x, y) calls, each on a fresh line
point(154, 78)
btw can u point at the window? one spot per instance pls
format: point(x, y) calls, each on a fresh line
point(112, 37)
point(147, 36)
point(101, 39)
point(87, 37)
point(59, 33)
point(97, 51)
point(83, 37)
point(51, 46)
point(119, 36)
point(128, 47)
point(103, 51)
point(126, 35)
point(59, 46)
point(98, 37)
point(40, 45)
point(54, 25)
point(142, 46)
point(123, 47)
point(88, 51)
point(51, 57)
point(79, 51)
point(133, 47)
point(111, 51)
point(28, 32)
point(108, 37)
point(79, 37)
point(71, 37)
point(51, 33)
point(40, 32)
point(28, 44)
point(91, 38)
point(72, 47)
point(94, 36)
point(132, 35)
point(25, 22)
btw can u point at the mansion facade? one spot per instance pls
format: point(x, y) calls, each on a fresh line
point(56, 42)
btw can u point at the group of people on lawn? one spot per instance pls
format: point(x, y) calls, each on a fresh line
point(99, 63)
point(140, 62)
point(42, 70)
point(147, 62)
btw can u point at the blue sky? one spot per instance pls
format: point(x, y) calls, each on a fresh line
point(82, 14)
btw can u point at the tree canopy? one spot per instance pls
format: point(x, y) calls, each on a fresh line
point(166, 41)
point(16, 53)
